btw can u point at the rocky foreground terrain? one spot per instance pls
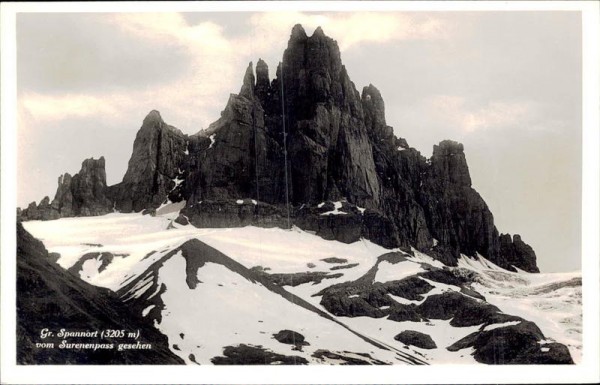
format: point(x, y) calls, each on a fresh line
point(296, 229)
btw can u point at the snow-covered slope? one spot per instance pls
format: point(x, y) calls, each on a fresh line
point(348, 302)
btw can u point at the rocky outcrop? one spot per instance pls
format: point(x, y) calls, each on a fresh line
point(462, 310)
point(290, 337)
point(155, 166)
point(243, 354)
point(515, 252)
point(458, 217)
point(63, 201)
point(89, 191)
point(522, 343)
point(415, 338)
point(349, 358)
point(456, 214)
point(399, 170)
point(232, 213)
point(43, 211)
point(337, 147)
point(83, 194)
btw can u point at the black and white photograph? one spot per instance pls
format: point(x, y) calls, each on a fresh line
point(396, 185)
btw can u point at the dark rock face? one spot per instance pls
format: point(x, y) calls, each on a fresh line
point(49, 297)
point(514, 344)
point(43, 211)
point(89, 191)
point(517, 253)
point(414, 338)
point(158, 154)
point(339, 149)
point(230, 213)
point(290, 337)
point(329, 152)
point(348, 223)
point(463, 310)
point(399, 170)
point(401, 313)
point(63, 201)
point(456, 214)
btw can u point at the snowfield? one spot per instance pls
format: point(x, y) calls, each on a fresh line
point(227, 309)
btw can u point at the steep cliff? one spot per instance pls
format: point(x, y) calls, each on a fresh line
point(158, 153)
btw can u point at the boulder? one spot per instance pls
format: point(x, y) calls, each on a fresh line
point(290, 337)
point(414, 338)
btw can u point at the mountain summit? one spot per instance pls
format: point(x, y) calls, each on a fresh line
point(296, 229)
point(305, 149)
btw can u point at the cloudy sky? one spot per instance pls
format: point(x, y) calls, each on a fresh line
point(506, 84)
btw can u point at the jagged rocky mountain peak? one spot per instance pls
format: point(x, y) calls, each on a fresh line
point(319, 32)
point(298, 33)
point(448, 148)
point(318, 54)
point(517, 238)
point(449, 163)
point(317, 47)
point(261, 67)
point(371, 94)
point(263, 86)
point(64, 178)
point(373, 106)
point(153, 119)
point(90, 164)
point(311, 208)
point(515, 252)
point(247, 90)
point(339, 149)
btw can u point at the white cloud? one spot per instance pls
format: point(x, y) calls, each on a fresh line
point(51, 108)
point(217, 62)
point(178, 107)
point(190, 102)
point(493, 115)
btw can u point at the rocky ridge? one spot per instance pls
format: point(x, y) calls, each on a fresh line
point(348, 175)
point(83, 194)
